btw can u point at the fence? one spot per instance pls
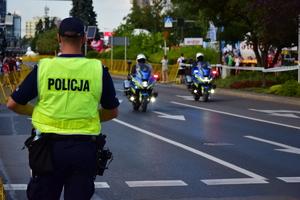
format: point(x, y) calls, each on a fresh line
point(9, 82)
point(2, 194)
point(120, 67)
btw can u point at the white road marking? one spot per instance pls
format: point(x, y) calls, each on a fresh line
point(280, 113)
point(15, 186)
point(290, 179)
point(195, 151)
point(155, 183)
point(233, 181)
point(24, 186)
point(235, 115)
point(101, 185)
point(288, 149)
point(186, 97)
point(164, 115)
point(8, 115)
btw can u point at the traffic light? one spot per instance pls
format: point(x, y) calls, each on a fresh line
point(180, 22)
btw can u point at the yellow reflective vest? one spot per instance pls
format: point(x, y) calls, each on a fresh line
point(69, 91)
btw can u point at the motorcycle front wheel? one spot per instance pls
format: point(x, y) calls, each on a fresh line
point(197, 95)
point(205, 94)
point(144, 103)
point(135, 106)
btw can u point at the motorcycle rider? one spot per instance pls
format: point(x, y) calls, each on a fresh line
point(141, 64)
point(199, 63)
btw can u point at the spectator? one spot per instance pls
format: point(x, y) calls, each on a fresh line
point(164, 70)
point(181, 70)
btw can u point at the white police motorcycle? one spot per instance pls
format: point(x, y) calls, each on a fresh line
point(200, 82)
point(138, 87)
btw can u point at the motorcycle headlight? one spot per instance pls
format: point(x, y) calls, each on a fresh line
point(145, 84)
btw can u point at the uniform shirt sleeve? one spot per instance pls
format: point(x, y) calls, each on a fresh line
point(27, 90)
point(108, 99)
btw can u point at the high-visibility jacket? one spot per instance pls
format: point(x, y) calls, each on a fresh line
point(69, 91)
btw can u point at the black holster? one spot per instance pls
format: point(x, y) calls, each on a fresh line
point(103, 155)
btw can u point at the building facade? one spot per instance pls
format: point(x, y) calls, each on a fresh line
point(3, 10)
point(31, 25)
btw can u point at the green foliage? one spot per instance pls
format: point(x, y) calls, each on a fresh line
point(84, 10)
point(47, 42)
point(33, 42)
point(224, 83)
point(246, 76)
point(275, 88)
point(289, 88)
point(147, 17)
point(286, 75)
point(39, 28)
point(92, 54)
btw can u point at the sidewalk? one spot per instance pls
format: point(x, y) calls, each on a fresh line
point(244, 94)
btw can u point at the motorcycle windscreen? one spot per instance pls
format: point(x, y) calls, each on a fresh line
point(206, 71)
point(143, 71)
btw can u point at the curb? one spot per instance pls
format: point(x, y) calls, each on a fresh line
point(2, 192)
point(243, 94)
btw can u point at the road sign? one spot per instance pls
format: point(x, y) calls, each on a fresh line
point(168, 22)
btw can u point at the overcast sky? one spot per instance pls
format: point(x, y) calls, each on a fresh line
point(109, 12)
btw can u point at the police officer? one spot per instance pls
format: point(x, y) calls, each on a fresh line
point(69, 89)
point(199, 63)
point(141, 64)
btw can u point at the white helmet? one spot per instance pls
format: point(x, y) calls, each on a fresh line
point(140, 56)
point(199, 54)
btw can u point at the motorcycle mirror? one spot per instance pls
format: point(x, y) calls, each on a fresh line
point(129, 63)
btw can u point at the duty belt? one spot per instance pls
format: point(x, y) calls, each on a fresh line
point(57, 137)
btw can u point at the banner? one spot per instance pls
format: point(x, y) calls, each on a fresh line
point(193, 41)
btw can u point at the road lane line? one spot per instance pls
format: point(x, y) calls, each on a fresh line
point(15, 186)
point(24, 186)
point(290, 179)
point(232, 181)
point(235, 115)
point(101, 185)
point(195, 151)
point(159, 183)
point(288, 149)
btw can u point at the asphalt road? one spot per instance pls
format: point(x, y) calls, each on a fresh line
point(236, 146)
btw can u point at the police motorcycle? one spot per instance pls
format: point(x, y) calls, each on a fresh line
point(200, 82)
point(138, 87)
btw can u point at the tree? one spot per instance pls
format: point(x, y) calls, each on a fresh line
point(47, 24)
point(47, 42)
point(148, 18)
point(84, 10)
point(39, 29)
point(143, 43)
point(52, 23)
point(266, 24)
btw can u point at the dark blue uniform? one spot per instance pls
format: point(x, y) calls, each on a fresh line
point(73, 158)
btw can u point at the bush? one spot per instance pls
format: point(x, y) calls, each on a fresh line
point(286, 76)
point(274, 89)
point(250, 84)
point(92, 54)
point(289, 88)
